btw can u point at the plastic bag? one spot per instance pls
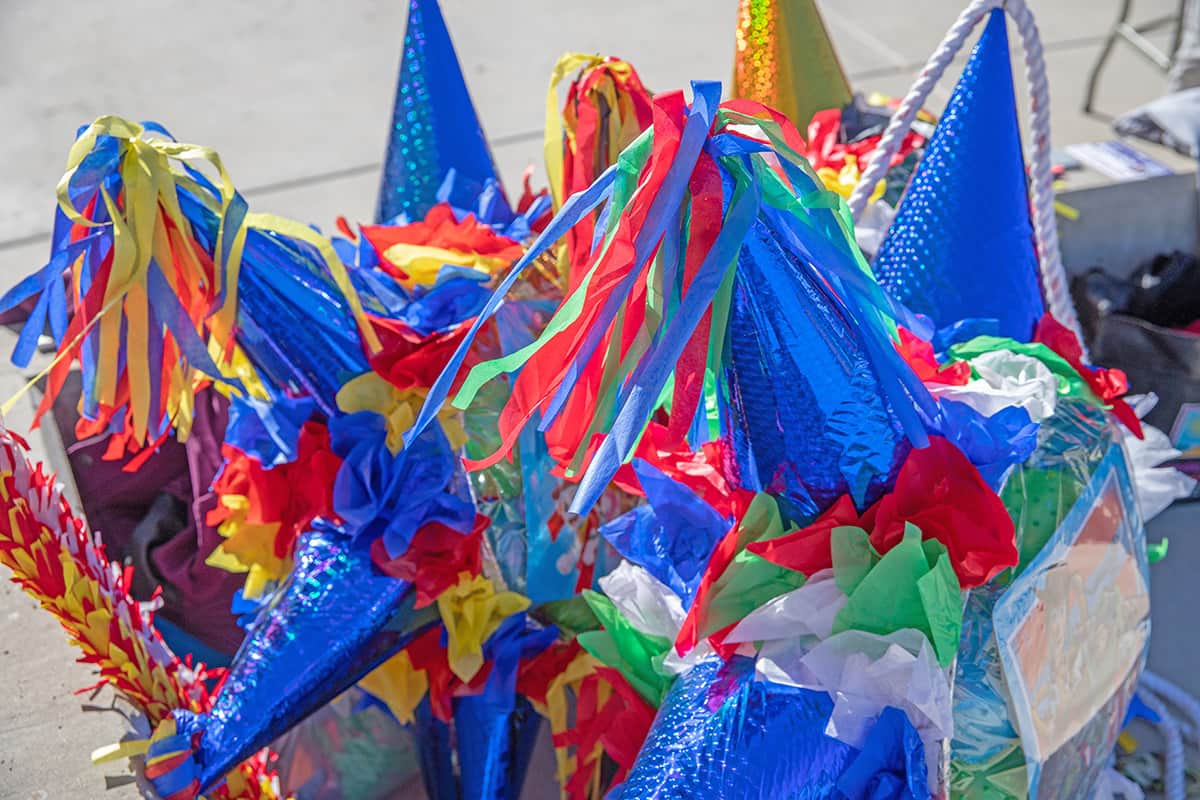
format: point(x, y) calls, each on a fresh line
point(349, 751)
point(1049, 656)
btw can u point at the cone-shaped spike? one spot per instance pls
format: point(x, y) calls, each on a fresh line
point(484, 753)
point(720, 733)
point(434, 126)
point(961, 245)
point(784, 59)
point(495, 743)
point(289, 666)
point(811, 420)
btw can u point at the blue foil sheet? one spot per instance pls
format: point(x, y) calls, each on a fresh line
point(290, 665)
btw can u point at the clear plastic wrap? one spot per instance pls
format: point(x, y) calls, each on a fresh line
point(1050, 654)
point(349, 751)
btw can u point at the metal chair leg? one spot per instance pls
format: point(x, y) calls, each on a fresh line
point(1105, 52)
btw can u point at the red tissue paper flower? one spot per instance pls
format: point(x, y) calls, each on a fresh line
point(291, 494)
point(807, 550)
point(1110, 385)
point(408, 360)
point(443, 230)
point(434, 558)
point(940, 491)
point(919, 355)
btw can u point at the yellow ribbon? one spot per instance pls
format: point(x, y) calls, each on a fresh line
point(553, 148)
point(120, 750)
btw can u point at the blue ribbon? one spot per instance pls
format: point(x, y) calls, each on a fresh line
point(572, 211)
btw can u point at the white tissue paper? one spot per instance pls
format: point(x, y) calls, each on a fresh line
point(1157, 487)
point(1006, 379)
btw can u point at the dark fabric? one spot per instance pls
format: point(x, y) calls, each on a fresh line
point(1155, 359)
point(1132, 324)
point(155, 518)
point(201, 594)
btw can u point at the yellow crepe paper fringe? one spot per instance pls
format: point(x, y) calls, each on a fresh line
point(57, 562)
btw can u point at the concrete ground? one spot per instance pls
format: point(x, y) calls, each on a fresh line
point(297, 99)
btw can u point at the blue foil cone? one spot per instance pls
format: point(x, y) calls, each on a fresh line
point(495, 743)
point(811, 421)
point(961, 245)
point(760, 740)
point(722, 733)
point(335, 620)
point(483, 755)
point(434, 126)
point(436, 751)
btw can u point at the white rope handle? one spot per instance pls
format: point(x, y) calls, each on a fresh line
point(1054, 278)
point(1174, 777)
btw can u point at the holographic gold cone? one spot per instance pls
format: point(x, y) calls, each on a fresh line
point(784, 59)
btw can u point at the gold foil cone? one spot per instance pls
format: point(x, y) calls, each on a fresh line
point(784, 59)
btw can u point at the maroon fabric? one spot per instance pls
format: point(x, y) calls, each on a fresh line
point(205, 593)
point(115, 501)
point(196, 597)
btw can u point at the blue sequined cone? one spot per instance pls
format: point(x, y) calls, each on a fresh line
point(289, 666)
point(434, 125)
point(961, 245)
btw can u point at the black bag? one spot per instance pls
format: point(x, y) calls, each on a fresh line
point(1132, 324)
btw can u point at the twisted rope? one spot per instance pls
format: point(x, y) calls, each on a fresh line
point(1053, 276)
point(1174, 779)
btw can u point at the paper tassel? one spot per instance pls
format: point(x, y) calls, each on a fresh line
point(668, 298)
point(155, 256)
point(606, 108)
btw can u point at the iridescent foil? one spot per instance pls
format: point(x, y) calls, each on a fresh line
point(961, 245)
point(721, 734)
point(784, 59)
point(335, 620)
point(812, 420)
point(434, 126)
